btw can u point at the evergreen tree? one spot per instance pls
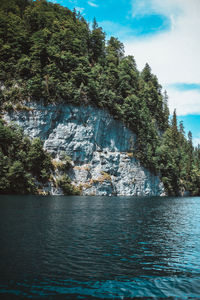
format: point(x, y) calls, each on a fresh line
point(97, 43)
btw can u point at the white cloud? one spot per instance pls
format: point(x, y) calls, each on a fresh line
point(173, 55)
point(185, 102)
point(196, 141)
point(93, 4)
point(80, 9)
point(141, 7)
point(115, 29)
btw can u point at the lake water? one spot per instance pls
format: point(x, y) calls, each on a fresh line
point(99, 247)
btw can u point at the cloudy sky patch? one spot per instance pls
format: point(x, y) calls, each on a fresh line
point(93, 4)
point(173, 54)
point(186, 86)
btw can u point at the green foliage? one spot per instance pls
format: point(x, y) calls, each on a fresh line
point(21, 161)
point(65, 183)
point(39, 162)
point(97, 44)
point(49, 52)
point(178, 162)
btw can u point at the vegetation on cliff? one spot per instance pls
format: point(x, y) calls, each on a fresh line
point(24, 163)
point(50, 52)
point(21, 160)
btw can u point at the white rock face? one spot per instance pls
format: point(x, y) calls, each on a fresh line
point(100, 147)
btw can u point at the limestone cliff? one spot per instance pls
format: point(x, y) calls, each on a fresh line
point(100, 147)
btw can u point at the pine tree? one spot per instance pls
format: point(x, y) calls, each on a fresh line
point(97, 43)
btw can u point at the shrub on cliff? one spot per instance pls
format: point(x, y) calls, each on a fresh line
point(23, 162)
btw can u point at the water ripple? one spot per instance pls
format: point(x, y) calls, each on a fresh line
point(99, 247)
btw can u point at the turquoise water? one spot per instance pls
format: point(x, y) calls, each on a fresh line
point(99, 247)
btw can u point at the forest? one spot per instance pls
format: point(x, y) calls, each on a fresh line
point(51, 53)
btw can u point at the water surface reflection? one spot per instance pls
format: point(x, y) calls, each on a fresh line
point(99, 246)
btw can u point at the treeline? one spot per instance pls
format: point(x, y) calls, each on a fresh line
point(49, 52)
point(178, 161)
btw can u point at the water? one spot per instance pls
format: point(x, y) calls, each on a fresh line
point(99, 247)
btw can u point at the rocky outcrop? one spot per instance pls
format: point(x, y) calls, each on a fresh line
point(100, 147)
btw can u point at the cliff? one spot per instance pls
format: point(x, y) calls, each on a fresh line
point(100, 147)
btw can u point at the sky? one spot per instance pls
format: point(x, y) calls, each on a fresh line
point(164, 33)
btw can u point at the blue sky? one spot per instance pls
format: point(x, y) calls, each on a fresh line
point(164, 33)
point(190, 123)
point(119, 14)
point(186, 86)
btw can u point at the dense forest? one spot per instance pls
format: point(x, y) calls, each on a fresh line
point(49, 52)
